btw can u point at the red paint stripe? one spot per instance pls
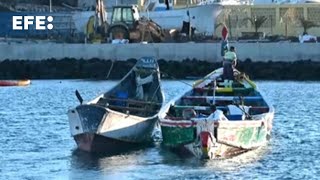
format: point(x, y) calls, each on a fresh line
point(204, 136)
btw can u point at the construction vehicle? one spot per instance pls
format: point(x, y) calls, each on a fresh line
point(97, 26)
point(127, 24)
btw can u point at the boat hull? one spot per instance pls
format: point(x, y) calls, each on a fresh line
point(211, 140)
point(97, 143)
point(96, 128)
point(15, 83)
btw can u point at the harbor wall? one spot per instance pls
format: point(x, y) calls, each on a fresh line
point(69, 68)
point(257, 52)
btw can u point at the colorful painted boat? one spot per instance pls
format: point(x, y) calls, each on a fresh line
point(244, 123)
point(123, 117)
point(15, 83)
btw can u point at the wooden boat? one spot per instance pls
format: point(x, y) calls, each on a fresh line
point(124, 116)
point(15, 83)
point(243, 122)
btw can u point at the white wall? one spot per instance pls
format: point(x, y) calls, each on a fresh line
point(167, 51)
point(107, 3)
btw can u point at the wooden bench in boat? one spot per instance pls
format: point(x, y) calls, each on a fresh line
point(224, 90)
point(129, 108)
point(200, 108)
point(131, 101)
point(252, 111)
point(128, 104)
point(206, 108)
point(223, 98)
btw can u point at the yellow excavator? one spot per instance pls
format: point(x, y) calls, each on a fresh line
point(125, 24)
point(96, 27)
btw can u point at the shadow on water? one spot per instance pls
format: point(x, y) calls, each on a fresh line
point(157, 154)
point(93, 160)
point(159, 163)
point(181, 157)
point(84, 160)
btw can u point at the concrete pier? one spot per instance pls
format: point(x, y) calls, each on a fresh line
point(263, 52)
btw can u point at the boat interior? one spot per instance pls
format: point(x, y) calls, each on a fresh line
point(238, 102)
point(139, 93)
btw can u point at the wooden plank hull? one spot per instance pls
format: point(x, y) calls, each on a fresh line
point(96, 143)
point(94, 127)
point(126, 114)
point(217, 138)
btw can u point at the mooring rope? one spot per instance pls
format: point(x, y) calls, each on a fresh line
point(172, 77)
point(111, 67)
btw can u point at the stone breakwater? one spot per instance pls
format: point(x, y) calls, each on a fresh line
point(69, 68)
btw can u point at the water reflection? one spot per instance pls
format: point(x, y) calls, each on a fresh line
point(96, 161)
point(142, 163)
point(119, 166)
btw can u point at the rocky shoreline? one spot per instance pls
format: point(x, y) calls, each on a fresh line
point(68, 68)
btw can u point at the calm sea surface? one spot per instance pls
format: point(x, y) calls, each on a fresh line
point(35, 142)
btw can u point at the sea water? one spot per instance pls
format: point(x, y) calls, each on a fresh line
point(35, 141)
